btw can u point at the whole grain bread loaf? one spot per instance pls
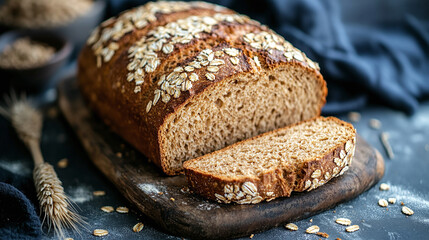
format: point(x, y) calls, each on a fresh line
point(179, 80)
point(299, 157)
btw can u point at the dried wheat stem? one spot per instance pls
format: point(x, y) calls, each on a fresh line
point(385, 141)
point(35, 152)
point(56, 207)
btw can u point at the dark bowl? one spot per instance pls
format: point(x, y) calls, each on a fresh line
point(76, 31)
point(37, 78)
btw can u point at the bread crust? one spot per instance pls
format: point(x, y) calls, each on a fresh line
point(280, 182)
point(113, 97)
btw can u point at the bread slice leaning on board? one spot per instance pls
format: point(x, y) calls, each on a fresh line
point(300, 157)
point(179, 80)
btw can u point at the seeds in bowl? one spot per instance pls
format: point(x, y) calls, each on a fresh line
point(42, 13)
point(25, 53)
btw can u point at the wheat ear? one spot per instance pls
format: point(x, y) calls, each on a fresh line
point(57, 208)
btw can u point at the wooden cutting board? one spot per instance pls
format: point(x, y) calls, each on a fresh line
point(189, 215)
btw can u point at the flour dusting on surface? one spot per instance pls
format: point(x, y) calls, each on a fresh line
point(421, 120)
point(20, 167)
point(151, 189)
point(393, 235)
point(410, 198)
point(80, 194)
point(417, 201)
point(207, 206)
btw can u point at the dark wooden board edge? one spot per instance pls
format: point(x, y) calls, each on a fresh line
point(190, 215)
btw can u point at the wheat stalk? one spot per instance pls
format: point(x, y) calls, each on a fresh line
point(57, 208)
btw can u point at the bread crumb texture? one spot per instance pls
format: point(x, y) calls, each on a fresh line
point(300, 157)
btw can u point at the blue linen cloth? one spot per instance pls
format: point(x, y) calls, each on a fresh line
point(18, 217)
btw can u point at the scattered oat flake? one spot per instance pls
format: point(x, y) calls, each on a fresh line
point(210, 76)
point(257, 62)
point(352, 228)
point(313, 229)
point(107, 209)
point(138, 227)
point(375, 123)
point(172, 199)
point(407, 211)
point(343, 221)
point(160, 193)
point(231, 51)
point(100, 232)
point(213, 69)
point(122, 210)
point(291, 226)
point(383, 203)
point(148, 107)
point(392, 200)
point(311, 220)
point(251, 236)
point(384, 187)
point(323, 234)
point(99, 193)
point(235, 60)
point(63, 163)
point(354, 116)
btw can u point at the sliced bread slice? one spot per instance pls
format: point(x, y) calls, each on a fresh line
point(299, 157)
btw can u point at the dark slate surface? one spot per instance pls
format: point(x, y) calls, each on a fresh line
point(406, 174)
